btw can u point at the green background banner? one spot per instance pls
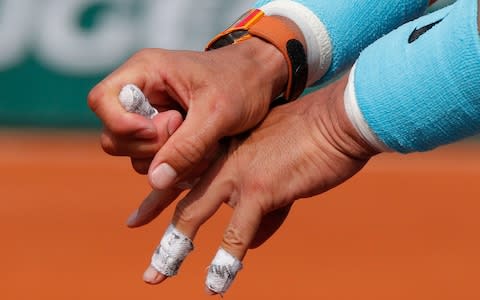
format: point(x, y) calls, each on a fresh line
point(52, 52)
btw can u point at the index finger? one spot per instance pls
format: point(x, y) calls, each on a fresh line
point(103, 101)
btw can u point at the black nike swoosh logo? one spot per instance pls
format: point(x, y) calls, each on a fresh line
point(417, 32)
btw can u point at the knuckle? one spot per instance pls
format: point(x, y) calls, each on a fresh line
point(107, 144)
point(116, 127)
point(256, 187)
point(94, 97)
point(233, 238)
point(118, 124)
point(143, 55)
point(186, 214)
point(260, 189)
point(190, 151)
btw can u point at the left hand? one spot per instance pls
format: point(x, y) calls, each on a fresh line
point(301, 149)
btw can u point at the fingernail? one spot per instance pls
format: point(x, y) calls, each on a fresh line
point(152, 276)
point(163, 176)
point(133, 217)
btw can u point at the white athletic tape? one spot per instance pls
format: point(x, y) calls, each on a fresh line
point(134, 101)
point(171, 252)
point(222, 271)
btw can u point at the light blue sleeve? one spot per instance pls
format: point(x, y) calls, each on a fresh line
point(354, 24)
point(419, 86)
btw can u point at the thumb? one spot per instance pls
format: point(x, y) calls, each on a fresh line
point(186, 148)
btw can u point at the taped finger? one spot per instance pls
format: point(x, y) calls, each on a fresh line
point(191, 212)
point(171, 252)
point(222, 272)
point(236, 240)
point(134, 101)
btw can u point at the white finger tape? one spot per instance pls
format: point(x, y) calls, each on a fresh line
point(134, 101)
point(171, 252)
point(222, 271)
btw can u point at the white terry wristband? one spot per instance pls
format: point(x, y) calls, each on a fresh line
point(171, 252)
point(355, 116)
point(319, 46)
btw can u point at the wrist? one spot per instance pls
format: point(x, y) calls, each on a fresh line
point(269, 67)
point(348, 134)
point(258, 35)
point(356, 117)
point(259, 65)
point(331, 120)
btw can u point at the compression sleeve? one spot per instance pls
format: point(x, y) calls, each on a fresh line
point(418, 87)
point(337, 30)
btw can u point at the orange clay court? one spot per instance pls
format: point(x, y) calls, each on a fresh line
point(406, 227)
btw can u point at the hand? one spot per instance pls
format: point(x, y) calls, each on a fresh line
point(301, 149)
point(223, 92)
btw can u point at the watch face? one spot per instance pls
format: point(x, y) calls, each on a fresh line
point(228, 39)
point(238, 31)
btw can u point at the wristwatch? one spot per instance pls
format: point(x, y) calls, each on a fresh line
point(282, 35)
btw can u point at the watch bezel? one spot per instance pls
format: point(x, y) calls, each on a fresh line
point(229, 38)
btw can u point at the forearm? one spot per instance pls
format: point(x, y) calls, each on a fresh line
point(417, 88)
point(337, 31)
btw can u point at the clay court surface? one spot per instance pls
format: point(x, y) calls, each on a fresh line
point(406, 227)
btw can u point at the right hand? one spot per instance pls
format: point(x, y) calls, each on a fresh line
point(223, 92)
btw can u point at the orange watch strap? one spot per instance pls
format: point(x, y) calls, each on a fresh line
point(285, 38)
point(283, 35)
